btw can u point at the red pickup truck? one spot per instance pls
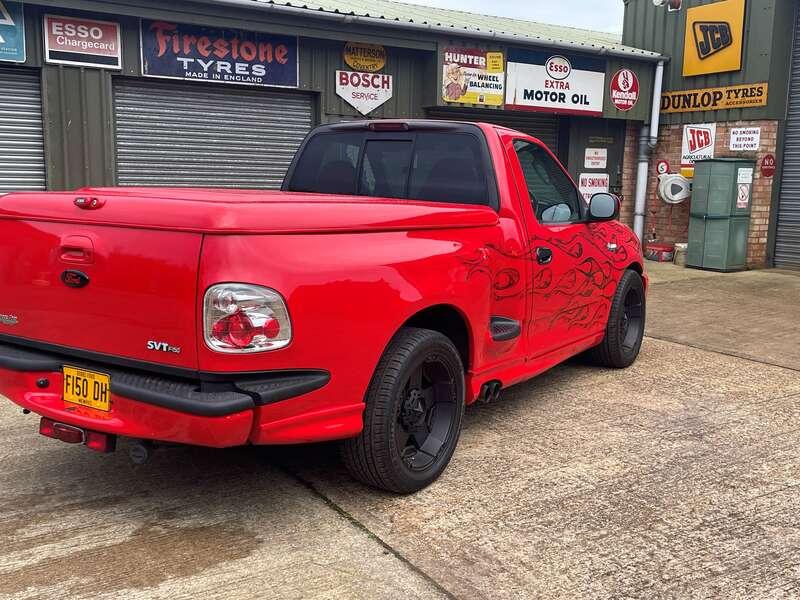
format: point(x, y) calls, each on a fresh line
point(406, 268)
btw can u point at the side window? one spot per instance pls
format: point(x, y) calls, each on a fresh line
point(553, 195)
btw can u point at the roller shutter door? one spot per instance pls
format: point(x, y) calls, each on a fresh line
point(22, 164)
point(183, 134)
point(787, 237)
point(542, 126)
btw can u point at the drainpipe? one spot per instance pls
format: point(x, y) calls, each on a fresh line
point(648, 138)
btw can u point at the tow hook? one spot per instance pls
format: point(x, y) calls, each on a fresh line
point(140, 451)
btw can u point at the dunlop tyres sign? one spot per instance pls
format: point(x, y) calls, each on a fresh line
point(734, 96)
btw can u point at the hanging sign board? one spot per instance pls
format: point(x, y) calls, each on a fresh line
point(624, 89)
point(732, 96)
point(178, 51)
point(472, 76)
point(595, 158)
point(698, 143)
point(745, 139)
point(364, 57)
point(363, 91)
point(713, 38)
point(12, 32)
point(82, 42)
point(567, 84)
point(592, 183)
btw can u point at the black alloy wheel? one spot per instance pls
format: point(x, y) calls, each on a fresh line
point(413, 416)
point(626, 320)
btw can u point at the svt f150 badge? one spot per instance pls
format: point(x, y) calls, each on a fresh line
point(162, 347)
point(9, 319)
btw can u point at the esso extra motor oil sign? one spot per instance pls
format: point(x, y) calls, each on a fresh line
point(624, 90)
point(363, 91)
point(556, 83)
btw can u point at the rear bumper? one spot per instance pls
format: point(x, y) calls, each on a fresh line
point(150, 406)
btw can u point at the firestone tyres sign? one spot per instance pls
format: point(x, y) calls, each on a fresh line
point(178, 51)
point(363, 91)
point(568, 84)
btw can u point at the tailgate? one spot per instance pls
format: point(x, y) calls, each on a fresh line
point(122, 291)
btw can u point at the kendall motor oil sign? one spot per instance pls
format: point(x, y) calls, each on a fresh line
point(560, 83)
point(177, 51)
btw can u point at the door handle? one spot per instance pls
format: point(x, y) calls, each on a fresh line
point(76, 250)
point(544, 256)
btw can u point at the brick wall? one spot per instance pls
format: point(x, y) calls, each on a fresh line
point(629, 166)
point(670, 223)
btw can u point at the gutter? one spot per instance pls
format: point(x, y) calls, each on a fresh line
point(648, 139)
point(504, 38)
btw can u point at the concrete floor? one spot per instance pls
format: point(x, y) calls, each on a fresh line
point(678, 477)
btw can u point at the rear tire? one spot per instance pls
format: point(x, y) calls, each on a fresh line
point(625, 328)
point(413, 415)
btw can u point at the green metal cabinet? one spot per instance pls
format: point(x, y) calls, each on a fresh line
point(719, 218)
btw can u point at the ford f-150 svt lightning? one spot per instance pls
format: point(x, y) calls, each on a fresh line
point(406, 268)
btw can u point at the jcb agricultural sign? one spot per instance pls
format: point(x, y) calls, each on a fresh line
point(713, 38)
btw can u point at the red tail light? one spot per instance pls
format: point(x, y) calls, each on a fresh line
point(60, 431)
point(101, 442)
point(242, 318)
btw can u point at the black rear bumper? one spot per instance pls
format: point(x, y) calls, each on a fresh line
point(214, 396)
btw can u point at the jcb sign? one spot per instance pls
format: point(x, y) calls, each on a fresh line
point(713, 38)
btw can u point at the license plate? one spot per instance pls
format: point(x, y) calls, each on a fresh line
point(87, 388)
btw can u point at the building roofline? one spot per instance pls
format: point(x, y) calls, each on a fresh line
point(618, 51)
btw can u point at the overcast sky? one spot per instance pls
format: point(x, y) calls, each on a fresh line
point(599, 15)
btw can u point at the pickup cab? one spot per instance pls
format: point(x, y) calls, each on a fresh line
point(405, 270)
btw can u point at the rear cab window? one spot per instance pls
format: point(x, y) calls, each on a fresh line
point(450, 166)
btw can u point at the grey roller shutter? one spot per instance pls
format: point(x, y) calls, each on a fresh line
point(542, 126)
point(22, 164)
point(787, 237)
point(184, 134)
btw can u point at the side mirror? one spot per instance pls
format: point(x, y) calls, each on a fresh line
point(603, 207)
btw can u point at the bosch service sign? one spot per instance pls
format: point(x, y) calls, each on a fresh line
point(177, 51)
point(624, 89)
point(363, 91)
point(568, 84)
point(82, 42)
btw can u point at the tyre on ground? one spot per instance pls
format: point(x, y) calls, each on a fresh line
point(413, 415)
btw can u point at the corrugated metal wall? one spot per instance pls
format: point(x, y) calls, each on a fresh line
point(787, 235)
point(173, 133)
point(22, 160)
point(767, 43)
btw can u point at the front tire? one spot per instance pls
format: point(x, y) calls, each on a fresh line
point(625, 328)
point(413, 416)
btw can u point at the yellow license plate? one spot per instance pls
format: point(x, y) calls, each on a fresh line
point(87, 388)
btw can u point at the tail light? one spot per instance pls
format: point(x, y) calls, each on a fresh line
point(241, 318)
